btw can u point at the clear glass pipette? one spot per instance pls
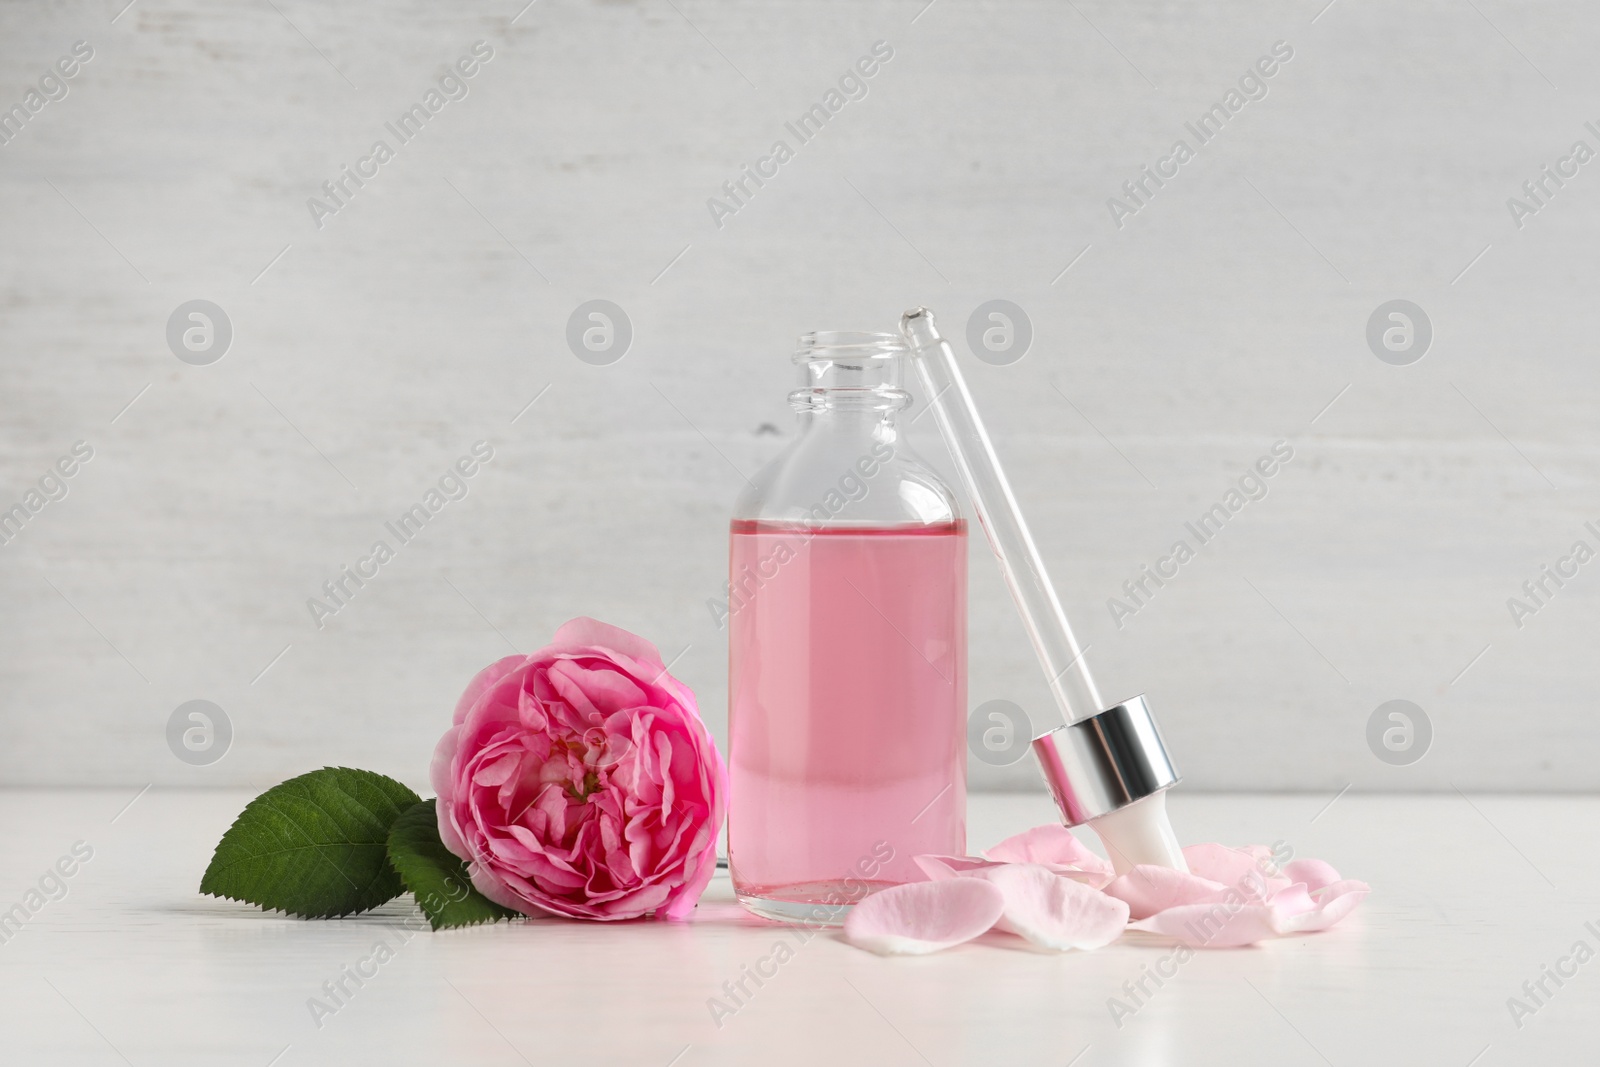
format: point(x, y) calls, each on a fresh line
point(1106, 767)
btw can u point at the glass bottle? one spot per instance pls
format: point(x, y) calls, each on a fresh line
point(847, 616)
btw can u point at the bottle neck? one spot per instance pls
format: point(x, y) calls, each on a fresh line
point(850, 384)
point(866, 412)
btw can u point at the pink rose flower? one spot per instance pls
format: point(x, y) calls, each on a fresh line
point(580, 781)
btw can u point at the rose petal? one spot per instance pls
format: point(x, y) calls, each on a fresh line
point(1148, 889)
point(1216, 925)
point(583, 633)
point(1314, 873)
point(483, 680)
point(1053, 911)
point(1290, 902)
point(1092, 879)
point(494, 887)
point(1219, 863)
point(1333, 903)
point(1053, 845)
point(496, 771)
point(939, 867)
point(440, 769)
point(922, 917)
point(595, 694)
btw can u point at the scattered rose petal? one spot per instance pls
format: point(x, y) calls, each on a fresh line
point(1288, 903)
point(1214, 925)
point(1148, 889)
point(1233, 917)
point(1053, 911)
point(1058, 894)
point(939, 867)
point(1333, 903)
point(922, 917)
point(1055, 847)
point(1219, 863)
point(1314, 873)
point(1251, 868)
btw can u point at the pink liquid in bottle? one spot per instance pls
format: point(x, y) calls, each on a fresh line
point(847, 663)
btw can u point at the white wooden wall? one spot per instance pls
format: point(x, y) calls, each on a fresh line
point(367, 355)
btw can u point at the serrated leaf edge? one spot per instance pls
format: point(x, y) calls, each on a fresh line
point(301, 913)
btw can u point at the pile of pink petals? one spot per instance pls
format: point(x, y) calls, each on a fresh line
point(1045, 886)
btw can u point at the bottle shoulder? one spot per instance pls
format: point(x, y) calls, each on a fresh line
point(820, 480)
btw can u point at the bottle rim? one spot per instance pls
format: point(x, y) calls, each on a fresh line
point(849, 346)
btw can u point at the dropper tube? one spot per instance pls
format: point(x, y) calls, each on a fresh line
point(1106, 767)
point(998, 513)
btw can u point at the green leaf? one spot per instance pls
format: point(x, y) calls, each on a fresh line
point(435, 876)
point(315, 846)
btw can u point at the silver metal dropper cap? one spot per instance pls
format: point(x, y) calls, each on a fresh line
point(1096, 765)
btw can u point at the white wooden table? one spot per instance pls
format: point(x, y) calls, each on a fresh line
point(1471, 898)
